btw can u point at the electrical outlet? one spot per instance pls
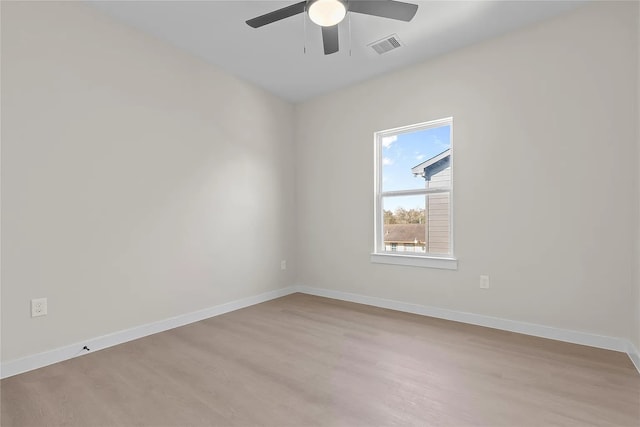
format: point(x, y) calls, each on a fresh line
point(484, 282)
point(283, 265)
point(38, 307)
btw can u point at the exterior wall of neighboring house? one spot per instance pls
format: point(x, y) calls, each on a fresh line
point(438, 207)
point(405, 247)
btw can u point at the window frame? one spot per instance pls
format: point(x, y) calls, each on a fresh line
point(379, 254)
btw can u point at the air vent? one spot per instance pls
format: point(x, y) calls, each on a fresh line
point(386, 44)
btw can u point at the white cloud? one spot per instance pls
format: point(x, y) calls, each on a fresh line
point(388, 140)
point(420, 157)
point(387, 161)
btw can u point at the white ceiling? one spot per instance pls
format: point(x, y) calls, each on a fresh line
point(272, 56)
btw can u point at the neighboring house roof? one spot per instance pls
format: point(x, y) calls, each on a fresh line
point(436, 164)
point(404, 233)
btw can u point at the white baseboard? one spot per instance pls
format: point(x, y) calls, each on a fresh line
point(40, 360)
point(634, 355)
point(576, 337)
point(18, 366)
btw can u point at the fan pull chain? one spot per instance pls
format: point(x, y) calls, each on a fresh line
point(350, 34)
point(304, 43)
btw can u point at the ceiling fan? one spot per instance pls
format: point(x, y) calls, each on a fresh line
point(329, 13)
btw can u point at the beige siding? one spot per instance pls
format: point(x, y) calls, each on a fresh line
point(441, 179)
point(438, 207)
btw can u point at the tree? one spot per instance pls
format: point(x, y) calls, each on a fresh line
point(403, 216)
point(388, 217)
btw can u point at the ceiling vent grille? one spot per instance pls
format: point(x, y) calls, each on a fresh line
point(386, 44)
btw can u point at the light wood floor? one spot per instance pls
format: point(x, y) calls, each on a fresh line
point(303, 360)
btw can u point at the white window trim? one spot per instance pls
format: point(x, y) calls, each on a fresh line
point(381, 256)
point(428, 261)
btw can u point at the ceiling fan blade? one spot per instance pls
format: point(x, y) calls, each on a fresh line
point(330, 39)
point(385, 9)
point(277, 15)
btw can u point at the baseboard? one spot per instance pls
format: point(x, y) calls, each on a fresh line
point(40, 360)
point(576, 337)
point(634, 355)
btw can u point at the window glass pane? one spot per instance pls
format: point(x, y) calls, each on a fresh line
point(419, 224)
point(404, 228)
point(417, 159)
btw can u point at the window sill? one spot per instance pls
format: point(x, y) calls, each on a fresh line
point(415, 261)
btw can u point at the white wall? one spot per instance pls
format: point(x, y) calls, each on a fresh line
point(138, 183)
point(134, 177)
point(545, 175)
point(637, 340)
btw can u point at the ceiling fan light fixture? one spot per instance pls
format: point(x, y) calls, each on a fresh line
point(327, 13)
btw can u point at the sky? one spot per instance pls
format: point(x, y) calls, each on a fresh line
point(401, 153)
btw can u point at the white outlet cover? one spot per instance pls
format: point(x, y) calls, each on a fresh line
point(484, 282)
point(38, 307)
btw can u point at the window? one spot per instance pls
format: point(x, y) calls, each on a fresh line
point(413, 200)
